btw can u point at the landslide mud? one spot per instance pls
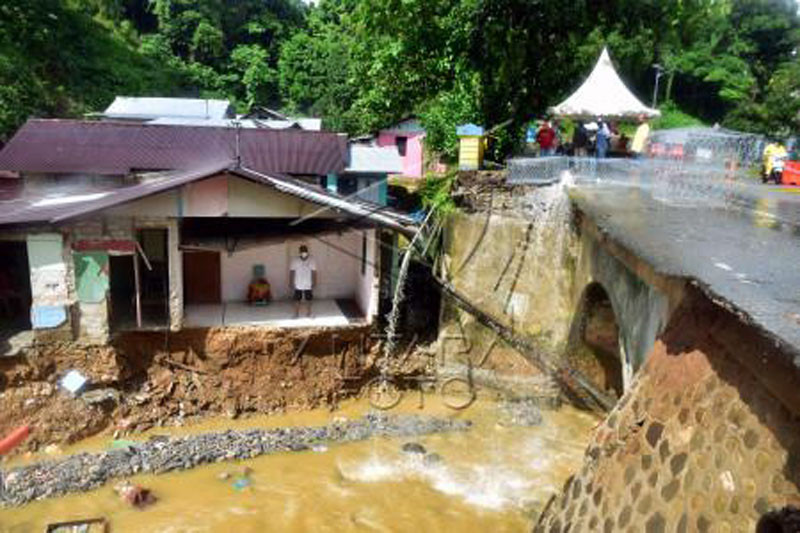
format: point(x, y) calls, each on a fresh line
point(149, 379)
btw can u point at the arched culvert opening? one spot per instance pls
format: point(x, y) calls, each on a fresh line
point(594, 347)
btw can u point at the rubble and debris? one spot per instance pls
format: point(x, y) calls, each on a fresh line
point(135, 385)
point(414, 447)
point(99, 396)
point(73, 381)
point(241, 483)
point(14, 439)
point(135, 495)
point(86, 471)
point(52, 449)
point(88, 525)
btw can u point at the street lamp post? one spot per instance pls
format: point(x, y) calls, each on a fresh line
point(659, 72)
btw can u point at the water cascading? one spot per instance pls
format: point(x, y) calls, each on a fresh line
point(399, 293)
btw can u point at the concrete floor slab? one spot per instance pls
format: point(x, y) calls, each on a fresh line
point(325, 313)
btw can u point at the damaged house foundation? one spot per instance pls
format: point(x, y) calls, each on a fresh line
point(115, 227)
point(131, 255)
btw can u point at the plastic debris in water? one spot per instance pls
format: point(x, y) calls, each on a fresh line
point(120, 444)
point(135, 495)
point(73, 381)
point(319, 448)
point(241, 483)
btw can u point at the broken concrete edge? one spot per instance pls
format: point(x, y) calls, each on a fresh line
point(87, 471)
point(601, 226)
point(780, 352)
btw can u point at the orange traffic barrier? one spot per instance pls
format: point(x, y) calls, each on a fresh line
point(14, 439)
point(791, 173)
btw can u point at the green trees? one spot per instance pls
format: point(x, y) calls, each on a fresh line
point(363, 64)
point(57, 61)
point(228, 48)
point(69, 57)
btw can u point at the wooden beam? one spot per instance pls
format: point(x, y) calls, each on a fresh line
point(137, 283)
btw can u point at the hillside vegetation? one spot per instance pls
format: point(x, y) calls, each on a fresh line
point(362, 64)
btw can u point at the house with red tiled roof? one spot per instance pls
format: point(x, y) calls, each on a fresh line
point(109, 226)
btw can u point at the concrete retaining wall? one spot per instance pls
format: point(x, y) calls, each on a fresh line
point(530, 270)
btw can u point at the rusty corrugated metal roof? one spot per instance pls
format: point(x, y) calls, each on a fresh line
point(91, 147)
point(47, 207)
point(50, 209)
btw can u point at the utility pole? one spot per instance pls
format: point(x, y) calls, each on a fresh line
point(659, 72)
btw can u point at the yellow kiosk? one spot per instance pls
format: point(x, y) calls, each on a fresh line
point(470, 147)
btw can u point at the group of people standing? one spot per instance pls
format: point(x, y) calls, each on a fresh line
point(597, 138)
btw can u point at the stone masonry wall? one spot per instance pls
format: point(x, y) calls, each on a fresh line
point(707, 439)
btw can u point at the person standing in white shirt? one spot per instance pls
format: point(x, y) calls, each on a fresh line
point(303, 279)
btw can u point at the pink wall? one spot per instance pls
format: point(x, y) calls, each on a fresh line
point(207, 198)
point(412, 162)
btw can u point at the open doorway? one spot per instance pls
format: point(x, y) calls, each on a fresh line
point(153, 266)
point(139, 283)
point(15, 289)
point(122, 289)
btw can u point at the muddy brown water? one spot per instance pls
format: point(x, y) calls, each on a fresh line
point(491, 478)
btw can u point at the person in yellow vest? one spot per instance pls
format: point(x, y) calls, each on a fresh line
point(639, 144)
point(773, 153)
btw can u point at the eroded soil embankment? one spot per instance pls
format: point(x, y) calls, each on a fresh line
point(147, 379)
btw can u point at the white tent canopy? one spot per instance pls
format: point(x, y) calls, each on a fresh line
point(603, 94)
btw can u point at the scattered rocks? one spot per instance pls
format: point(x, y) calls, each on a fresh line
point(52, 449)
point(432, 459)
point(523, 413)
point(414, 447)
point(86, 471)
point(99, 396)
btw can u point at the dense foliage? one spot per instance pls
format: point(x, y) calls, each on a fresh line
point(363, 64)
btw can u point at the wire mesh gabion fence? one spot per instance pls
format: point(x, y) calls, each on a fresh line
point(693, 154)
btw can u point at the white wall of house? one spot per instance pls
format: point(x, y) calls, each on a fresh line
point(338, 258)
point(367, 286)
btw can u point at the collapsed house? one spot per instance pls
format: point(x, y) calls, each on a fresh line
point(113, 226)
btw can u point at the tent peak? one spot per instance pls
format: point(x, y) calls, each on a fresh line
point(603, 93)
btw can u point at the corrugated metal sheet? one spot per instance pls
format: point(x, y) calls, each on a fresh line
point(358, 208)
point(377, 159)
point(309, 124)
point(145, 108)
point(90, 147)
point(49, 208)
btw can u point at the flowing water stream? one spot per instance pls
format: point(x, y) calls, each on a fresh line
point(491, 478)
